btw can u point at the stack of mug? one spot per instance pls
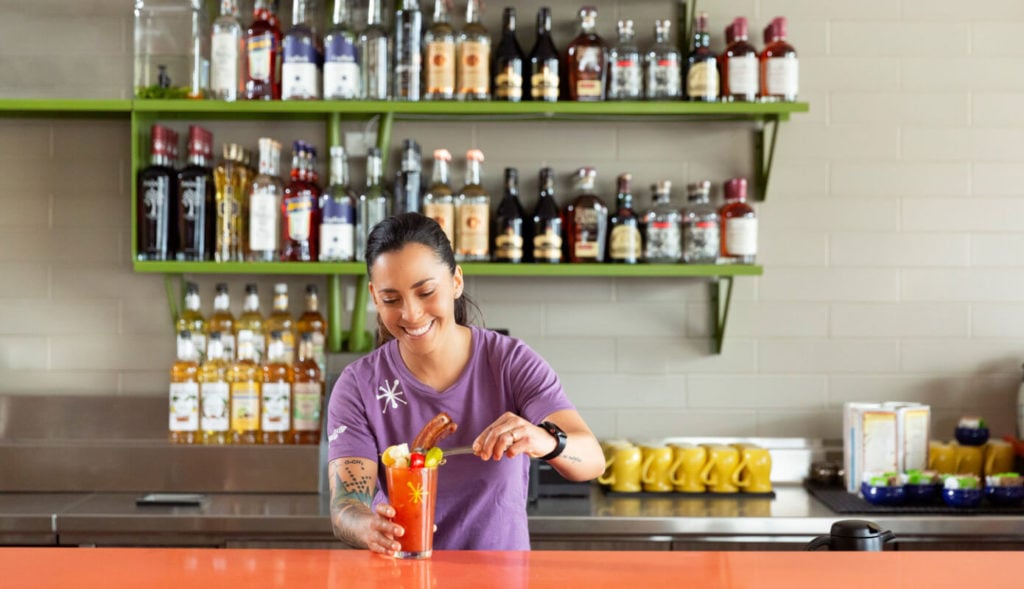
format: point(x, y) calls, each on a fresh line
point(992, 457)
point(686, 468)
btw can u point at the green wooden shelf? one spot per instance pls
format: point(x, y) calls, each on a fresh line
point(64, 107)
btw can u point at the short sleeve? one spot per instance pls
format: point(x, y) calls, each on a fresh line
point(534, 384)
point(348, 428)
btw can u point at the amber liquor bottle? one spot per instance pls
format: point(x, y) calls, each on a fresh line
point(313, 324)
point(214, 395)
point(739, 224)
point(510, 230)
point(701, 64)
point(184, 393)
point(244, 378)
point(307, 394)
point(275, 393)
point(586, 60)
point(738, 63)
point(300, 209)
point(544, 70)
point(439, 55)
point(156, 187)
point(280, 320)
point(231, 179)
point(195, 203)
point(586, 221)
point(508, 61)
point(473, 76)
point(547, 226)
point(263, 53)
point(780, 72)
point(191, 320)
point(625, 245)
point(249, 327)
point(439, 200)
point(472, 213)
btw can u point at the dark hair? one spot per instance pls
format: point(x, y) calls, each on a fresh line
point(394, 233)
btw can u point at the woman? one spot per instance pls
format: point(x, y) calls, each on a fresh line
point(495, 387)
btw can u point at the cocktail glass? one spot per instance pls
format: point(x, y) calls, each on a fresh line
point(412, 492)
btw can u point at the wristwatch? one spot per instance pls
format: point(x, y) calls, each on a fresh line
point(559, 435)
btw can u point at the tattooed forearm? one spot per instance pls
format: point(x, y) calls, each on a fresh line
point(570, 458)
point(352, 486)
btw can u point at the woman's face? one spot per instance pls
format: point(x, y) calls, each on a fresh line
point(415, 293)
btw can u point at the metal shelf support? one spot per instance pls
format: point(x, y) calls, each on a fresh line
point(720, 308)
point(764, 156)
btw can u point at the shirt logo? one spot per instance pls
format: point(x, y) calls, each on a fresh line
point(337, 432)
point(391, 395)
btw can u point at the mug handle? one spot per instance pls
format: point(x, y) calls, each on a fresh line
point(737, 477)
point(610, 478)
point(990, 459)
point(646, 476)
point(673, 471)
point(706, 471)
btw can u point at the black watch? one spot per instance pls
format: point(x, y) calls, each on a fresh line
point(556, 431)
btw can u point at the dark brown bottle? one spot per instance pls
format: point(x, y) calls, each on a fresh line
point(586, 60)
point(196, 212)
point(157, 186)
point(701, 79)
point(547, 226)
point(510, 230)
point(586, 221)
point(508, 61)
point(543, 72)
point(625, 245)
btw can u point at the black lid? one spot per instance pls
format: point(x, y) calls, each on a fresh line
point(856, 528)
point(311, 288)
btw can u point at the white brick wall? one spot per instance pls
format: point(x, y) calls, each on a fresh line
point(891, 238)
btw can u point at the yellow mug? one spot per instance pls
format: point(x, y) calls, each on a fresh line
point(687, 462)
point(623, 469)
point(608, 447)
point(721, 465)
point(654, 473)
point(754, 473)
point(969, 459)
point(998, 457)
point(941, 457)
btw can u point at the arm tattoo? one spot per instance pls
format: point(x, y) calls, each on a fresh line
point(352, 487)
point(575, 459)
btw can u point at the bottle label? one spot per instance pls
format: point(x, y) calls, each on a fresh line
point(701, 242)
point(154, 198)
point(626, 81)
point(306, 412)
point(320, 353)
point(263, 215)
point(444, 214)
point(588, 65)
point(193, 197)
point(741, 236)
point(474, 67)
point(547, 246)
point(782, 76)
point(227, 340)
point(509, 245)
point(341, 68)
point(702, 80)
point(256, 339)
point(198, 340)
point(471, 230)
point(276, 407)
point(300, 216)
point(261, 57)
point(184, 408)
point(544, 82)
point(336, 241)
point(215, 406)
point(440, 68)
point(624, 243)
point(743, 74)
point(245, 406)
point(224, 65)
point(664, 241)
point(508, 83)
point(288, 339)
point(228, 211)
point(664, 78)
point(586, 250)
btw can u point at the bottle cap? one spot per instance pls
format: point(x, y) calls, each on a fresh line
point(739, 26)
point(475, 155)
point(311, 289)
point(200, 141)
point(511, 174)
point(269, 149)
point(443, 154)
point(337, 151)
point(373, 152)
point(662, 26)
point(588, 12)
point(626, 28)
point(735, 189)
point(701, 25)
point(697, 191)
point(663, 186)
point(587, 172)
point(280, 288)
point(250, 288)
point(191, 288)
point(730, 34)
point(306, 337)
point(233, 152)
point(624, 181)
point(778, 26)
point(163, 141)
point(222, 288)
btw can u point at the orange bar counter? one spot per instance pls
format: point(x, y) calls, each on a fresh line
point(177, 568)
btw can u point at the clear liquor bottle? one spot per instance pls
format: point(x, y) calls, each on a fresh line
point(472, 213)
point(265, 194)
point(510, 231)
point(302, 57)
point(409, 179)
point(226, 53)
point(543, 80)
point(738, 64)
point(300, 209)
point(262, 55)
point(374, 201)
point(249, 327)
point(664, 230)
point(280, 319)
point(244, 379)
point(307, 394)
point(275, 393)
point(780, 70)
point(701, 231)
point(214, 394)
point(547, 222)
point(663, 64)
point(439, 48)
point(408, 66)
point(586, 219)
point(625, 244)
point(438, 200)
point(701, 64)
point(184, 393)
point(156, 187)
point(586, 60)
point(338, 213)
point(195, 203)
point(341, 56)
point(473, 57)
point(373, 51)
point(222, 323)
point(739, 224)
point(191, 320)
point(508, 61)
point(625, 70)
point(313, 324)
point(231, 180)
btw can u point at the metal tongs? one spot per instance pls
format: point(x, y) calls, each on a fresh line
point(457, 450)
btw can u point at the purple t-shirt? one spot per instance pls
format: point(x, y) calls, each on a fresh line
point(377, 402)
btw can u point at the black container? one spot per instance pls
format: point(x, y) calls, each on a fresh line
point(853, 535)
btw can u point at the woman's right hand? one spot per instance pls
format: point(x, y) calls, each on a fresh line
point(381, 532)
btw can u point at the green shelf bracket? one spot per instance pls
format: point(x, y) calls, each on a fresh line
point(175, 298)
point(764, 156)
point(359, 339)
point(720, 308)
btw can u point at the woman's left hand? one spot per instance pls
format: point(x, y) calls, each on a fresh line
point(511, 435)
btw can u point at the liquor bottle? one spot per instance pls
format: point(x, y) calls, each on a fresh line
point(265, 194)
point(341, 56)
point(214, 395)
point(226, 53)
point(244, 378)
point(409, 179)
point(508, 61)
point(157, 186)
point(374, 202)
point(739, 224)
point(625, 72)
point(586, 221)
point(302, 56)
point(586, 60)
point(663, 64)
point(700, 225)
point(184, 393)
point(701, 64)
point(438, 200)
point(231, 179)
point(625, 245)
point(738, 64)
point(338, 213)
point(275, 393)
point(510, 229)
point(408, 66)
point(439, 46)
point(196, 210)
point(473, 57)
point(249, 327)
point(262, 54)
point(472, 210)
point(300, 209)
point(280, 319)
point(222, 322)
point(191, 320)
point(542, 79)
point(312, 323)
point(780, 71)
point(547, 222)
point(663, 224)
point(373, 52)
point(307, 394)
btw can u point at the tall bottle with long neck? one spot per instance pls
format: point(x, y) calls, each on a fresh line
point(214, 395)
point(191, 320)
point(300, 210)
point(263, 53)
point(438, 200)
point(439, 49)
point(547, 222)
point(226, 53)
point(338, 213)
point(300, 69)
point(373, 51)
point(473, 76)
point(156, 190)
point(280, 320)
point(222, 322)
point(313, 324)
point(511, 231)
point(231, 180)
point(275, 393)
point(196, 211)
point(307, 394)
point(265, 196)
point(472, 213)
point(341, 56)
point(544, 70)
point(244, 379)
point(701, 64)
point(374, 201)
point(408, 63)
point(508, 61)
point(249, 327)
point(625, 245)
point(184, 393)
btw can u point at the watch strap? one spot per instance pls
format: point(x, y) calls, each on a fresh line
point(559, 435)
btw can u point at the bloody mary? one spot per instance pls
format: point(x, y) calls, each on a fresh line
point(413, 494)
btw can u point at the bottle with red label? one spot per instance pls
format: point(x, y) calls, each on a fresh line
point(663, 81)
point(625, 71)
point(300, 209)
point(263, 53)
point(738, 64)
point(196, 212)
point(663, 241)
point(700, 225)
point(780, 72)
point(739, 224)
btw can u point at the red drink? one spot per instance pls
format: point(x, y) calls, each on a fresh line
point(413, 494)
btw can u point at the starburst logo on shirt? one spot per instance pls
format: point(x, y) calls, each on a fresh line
point(391, 395)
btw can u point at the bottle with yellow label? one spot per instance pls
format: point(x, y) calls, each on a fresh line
point(307, 394)
point(244, 380)
point(275, 393)
point(184, 393)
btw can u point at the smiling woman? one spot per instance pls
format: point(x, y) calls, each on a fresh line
point(508, 401)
